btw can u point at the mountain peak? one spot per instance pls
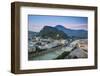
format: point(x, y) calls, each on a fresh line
point(59, 26)
point(52, 32)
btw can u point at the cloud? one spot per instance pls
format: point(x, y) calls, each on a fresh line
point(77, 26)
point(35, 28)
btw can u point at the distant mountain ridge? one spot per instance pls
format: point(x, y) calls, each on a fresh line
point(73, 33)
point(31, 33)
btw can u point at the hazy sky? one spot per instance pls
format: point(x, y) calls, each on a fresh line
point(37, 22)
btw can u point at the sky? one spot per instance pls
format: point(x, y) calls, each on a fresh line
point(37, 22)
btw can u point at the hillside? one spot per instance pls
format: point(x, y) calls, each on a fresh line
point(52, 32)
point(73, 33)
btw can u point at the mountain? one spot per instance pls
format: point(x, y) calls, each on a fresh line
point(73, 33)
point(31, 33)
point(52, 32)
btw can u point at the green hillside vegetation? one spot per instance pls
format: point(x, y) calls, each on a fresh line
point(50, 32)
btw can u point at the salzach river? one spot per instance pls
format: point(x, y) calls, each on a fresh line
point(51, 54)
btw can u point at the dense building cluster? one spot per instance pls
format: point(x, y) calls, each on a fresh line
point(42, 44)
